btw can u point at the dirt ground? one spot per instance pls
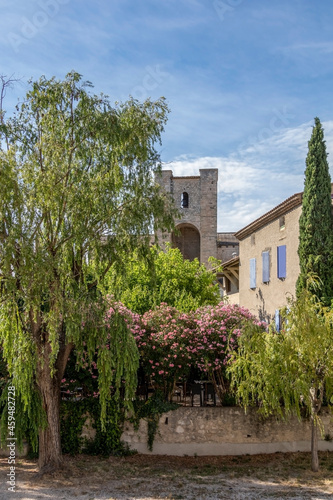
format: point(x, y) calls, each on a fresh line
point(143, 477)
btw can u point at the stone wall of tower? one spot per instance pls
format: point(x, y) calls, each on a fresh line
point(191, 186)
point(164, 179)
point(201, 213)
point(208, 215)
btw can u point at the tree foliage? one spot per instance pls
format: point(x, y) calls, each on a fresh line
point(164, 277)
point(316, 230)
point(76, 194)
point(291, 371)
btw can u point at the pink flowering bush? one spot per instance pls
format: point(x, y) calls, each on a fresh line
point(172, 343)
point(216, 336)
point(217, 331)
point(162, 344)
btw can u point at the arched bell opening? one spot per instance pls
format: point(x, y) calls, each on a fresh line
point(187, 240)
point(184, 200)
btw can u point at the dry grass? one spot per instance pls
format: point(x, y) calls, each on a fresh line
point(280, 475)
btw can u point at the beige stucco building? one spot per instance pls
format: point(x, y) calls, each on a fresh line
point(268, 259)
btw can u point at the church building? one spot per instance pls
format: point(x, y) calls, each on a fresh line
point(196, 229)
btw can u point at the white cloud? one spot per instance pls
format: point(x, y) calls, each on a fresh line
point(256, 178)
point(321, 47)
point(240, 213)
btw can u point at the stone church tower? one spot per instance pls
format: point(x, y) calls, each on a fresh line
point(196, 199)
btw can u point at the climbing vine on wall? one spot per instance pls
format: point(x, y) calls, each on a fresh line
point(151, 411)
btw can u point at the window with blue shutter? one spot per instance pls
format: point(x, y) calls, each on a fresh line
point(265, 267)
point(253, 273)
point(281, 262)
point(277, 320)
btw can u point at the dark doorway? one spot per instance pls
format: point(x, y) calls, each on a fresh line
point(188, 242)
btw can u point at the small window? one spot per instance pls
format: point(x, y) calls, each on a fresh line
point(253, 239)
point(184, 200)
point(282, 222)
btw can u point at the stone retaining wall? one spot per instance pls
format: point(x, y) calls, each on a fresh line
point(226, 431)
point(221, 431)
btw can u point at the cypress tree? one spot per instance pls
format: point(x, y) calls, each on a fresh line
point(315, 225)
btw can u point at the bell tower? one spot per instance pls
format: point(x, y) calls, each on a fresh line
point(196, 199)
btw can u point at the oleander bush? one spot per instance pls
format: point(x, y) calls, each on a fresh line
point(173, 344)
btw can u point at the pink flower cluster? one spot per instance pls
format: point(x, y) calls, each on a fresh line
point(163, 344)
point(217, 332)
point(170, 342)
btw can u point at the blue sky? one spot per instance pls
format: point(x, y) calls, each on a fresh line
point(244, 79)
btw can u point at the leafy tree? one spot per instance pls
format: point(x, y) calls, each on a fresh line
point(6, 83)
point(291, 371)
point(76, 193)
point(164, 277)
point(316, 231)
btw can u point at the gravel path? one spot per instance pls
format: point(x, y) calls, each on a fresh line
point(159, 478)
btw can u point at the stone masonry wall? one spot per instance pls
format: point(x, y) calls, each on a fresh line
point(200, 215)
point(225, 431)
point(221, 431)
point(208, 203)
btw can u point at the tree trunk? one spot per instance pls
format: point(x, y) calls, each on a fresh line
point(316, 395)
point(50, 456)
point(314, 445)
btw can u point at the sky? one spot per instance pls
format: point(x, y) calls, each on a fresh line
point(243, 79)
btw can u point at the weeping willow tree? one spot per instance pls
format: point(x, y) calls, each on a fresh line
point(288, 372)
point(76, 193)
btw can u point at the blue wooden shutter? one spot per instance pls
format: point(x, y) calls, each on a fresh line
point(265, 267)
point(277, 320)
point(253, 273)
point(281, 262)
